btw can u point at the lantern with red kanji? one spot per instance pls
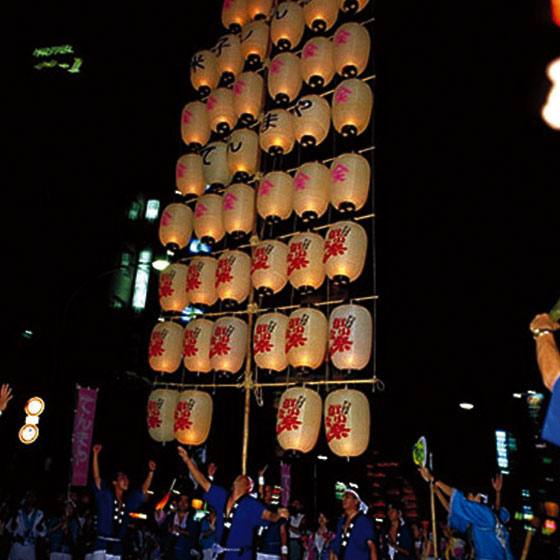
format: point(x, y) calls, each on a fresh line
point(275, 196)
point(259, 9)
point(287, 25)
point(208, 221)
point(276, 133)
point(201, 276)
point(347, 422)
point(312, 185)
point(173, 287)
point(350, 178)
point(233, 279)
point(248, 97)
point(306, 270)
point(299, 419)
point(229, 59)
point(243, 154)
point(195, 125)
point(166, 345)
point(214, 165)
point(312, 120)
point(284, 78)
point(238, 210)
point(306, 339)
point(352, 46)
point(193, 417)
point(254, 42)
point(317, 62)
point(352, 104)
point(196, 345)
point(189, 175)
point(228, 345)
point(160, 414)
point(220, 110)
point(175, 226)
point(235, 13)
point(204, 72)
point(345, 252)
point(269, 342)
point(269, 267)
point(320, 15)
point(353, 6)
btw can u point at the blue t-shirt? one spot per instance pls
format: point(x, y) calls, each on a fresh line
point(551, 427)
point(208, 541)
point(272, 540)
point(59, 540)
point(358, 548)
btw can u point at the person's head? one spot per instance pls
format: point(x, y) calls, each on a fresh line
point(350, 501)
point(417, 529)
point(393, 513)
point(120, 481)
point(296, 506)
point(69, 508)
point(268, 489)
point(29, 500)
point(243, 484)
point(322, 520)
point(184, 503)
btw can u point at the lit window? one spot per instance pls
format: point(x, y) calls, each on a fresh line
point(126, 259)
point(152, 210)
point(134, 210)
point(141, 280)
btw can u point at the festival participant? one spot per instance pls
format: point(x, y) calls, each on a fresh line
point(355, 535)
point(113, 508)
point(297, 528)
point(63, 530)
point(397, 537)
point(5, 397)
point(208, 533)
point(318, 543)
point(26, 527)
point(237, 514)
point(184, 530)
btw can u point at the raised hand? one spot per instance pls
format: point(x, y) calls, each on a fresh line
point(152, 466)
point(97, 449)
point(183, 453)
point(498, 482)
point(5, 396)
point(426, 474)
point(263, 470)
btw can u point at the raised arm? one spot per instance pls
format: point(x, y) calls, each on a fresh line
point(441, 497)
point(148, 481)
point(5, 396)
point(548, 356)
point(438, 484)
point(497, 484)
point(96, 476)
point(197, 475)
point(274, 516)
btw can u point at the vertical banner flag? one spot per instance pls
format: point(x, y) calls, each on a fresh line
point(82, 434)
point(286, 482)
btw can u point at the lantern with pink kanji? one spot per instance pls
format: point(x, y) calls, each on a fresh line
point(306, 270)
point(259, 9)
point(248, 97)
point(312, 120)
point(352, 46)
point(287, 25)
point(166, 346)
point(299, 419)
point(238, 210)
point(195, 125)
point(350, 178)
point(320, 15)
point(214, 165)
point(220, 110)
point(352, 104)
point(275, 196)
point(160, 414)
point(173, 287)
point(284, 78)
point(347, 422)
point(204, 72)
point(276, 133)
point(189, 175)
point(208, 221)
point(233, 277)
point(196, 345)
point(269, 342)
point(350, 337)
point(243, 154)
point(345, 252)
point(312, 185)
point(193, 417)
point(175, 226)
point(235, 13)
point(254, 42)
point(353, 6)
point(228, 345)
point(306, 339)
point(201, 279)
point(269, 267)
point(317, 62)
point(229, 59)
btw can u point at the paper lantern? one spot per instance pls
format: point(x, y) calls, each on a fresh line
point(351, 107)
point(193, 417)
point(189, 175)
point(254, 43)
point(284, 78)
point(238, 210)
point(299, 419)
point(347, 422)
point(317, 62)
point(233, 280)
point(259, 9)
point(275, 196)
point(269, 342)
point(311, 190)
point(306, 339)
point(215, 166)
point(220, 110)
point(195, 125)
point(351, 49)
point(196, 345)
point(173, 287)
point(228, 345)
point(243, 154)
point(204, 72)
point(276, 133)
point(320, 15)
point(312, 120)
point(350, 178)
point(248, 97)
point(306, 271)
point(350, 337)
point(287, 25)
point(166, 345)
point(201, 279)
point(235, 13)
point(353, 6)
point(269, 271)
point(175, 226)
point(345, 252)
point(208, 221)
point(229, 60)
point(160, 414)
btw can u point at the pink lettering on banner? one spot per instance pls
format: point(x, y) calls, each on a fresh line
point(276, 66)
point(211, 103)
point(338, 174)
point(265, 188)
point(81, 437)
point(238, 87)
point(200, 210)
point(300, 182)
point(286, 482)
point(187, 117)
point(166, 219)
point(181, 169)
point(342, 95)
point(309, 51)
point(341, 37)
point(229, 201)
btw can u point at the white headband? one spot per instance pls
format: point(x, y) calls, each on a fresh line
point(361, 506)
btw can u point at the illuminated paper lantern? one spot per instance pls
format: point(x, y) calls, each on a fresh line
point(351, 107)
point(306, 339)
point(312, 185)
point(352, 46)
point(175, 226)
point(275, 196)
point(166, 346)
point(233, 277)
point(269, 270)
point(345, 252)
point(220, 110)
point(235, 13)
point(259, 9)
point(204, 72)
point(160, 414)
point(243, 154)
point(350, 337)
point(347, 422)
point(254, 43)
point(287, 25)
point(312, 120)
point(173, 287)
point(193, 417)
point(248, 97)
point(238, 210)
point(353, 6)
point(269, 342)
point(229, 60)
point(196, 345)
point(317, 62)
point(228, 345)
point(284, 78)
point(276, 133)
point(306, 271)
point(189, 175)
point(350, 178)
point(320, 15)
point(214, 165)
point(208, 220)
point(201, 279)
point(299, 419)
point(195, 125)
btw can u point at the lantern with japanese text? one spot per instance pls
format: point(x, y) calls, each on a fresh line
point(306, 339)
point(195, 125)
point(160, 414)
point(248, 97)
point(235, 13)
point(350, 177)
point(352, 46)
point(286, 28)
point(345, 252)
point(269, 342)
point(259, 9)
point(228, 345)
point(306, 271)
point(275, 196)
point(215, 166)
point(299, 419)
point(350, 337)
point(175, 226)
point(320, 15)
point(238, 210)
point(189, 175)
point(276, 133)
point(204, 72)
point(208, 221)
point(347, 422)
point(173, 287)
point(193, 417)
point(269, 267)
point(166, 346)
point(312, 120)
point(233, 277)
point(254, 43)
point(196, 346)
point(220, 110)
point(353, 6)
point(229, 60)
point(201, 277)
point(243, 154)
point(312, 185)
point(284, 78)
point(317, 62)
point(351, 107)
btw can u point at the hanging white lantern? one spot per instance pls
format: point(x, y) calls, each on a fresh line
point(269, 342)
point(299, 419)
point(243, 154)
point(254, 43)
point(350, 178)
point(189, 175)
point(204, 72)
point(160, 414)
point(235, 13)
point(276, 133)
point(175, 226)
point(275, 196)
point(166, 345)
point(193, 417)
point(248, 97)
point(229, 59)
point(233, 277)
point(352, 104)
point(352, 46)
point(284, 78)
point(345, 252)
point(195, 125)
point(306, 270)
point(353, 6)
point(306, 339)
point(347, 422)
point(214, 165)
point(201, 279)
point(320, 15)
point(196, 346)
point(317, 62)
point(228, 345)
point(269, 270)
point(259, 9)
point(286, 28)
point(312, 184)
point(208, 221)
point(312, 120)
point(173, 287)
point(220, 110)
point(238, 210)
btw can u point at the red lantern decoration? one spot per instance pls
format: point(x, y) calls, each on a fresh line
point(160, 414)
point(233, 280)
point(214, 165)
point(276, 133)
point(189, 175)
point(204, 72)
point(352, 46)
point(350, 178)
point(312, 120)
point(238, 210)
point(228, 345)
point(229, 59)
point(306, 339)
point(286, 28)
point(243, 154)
point(235, 13)
point(306, 270)
point(269, 341)
point(269, 267)
point(317, 62)
point(208, 220)
point(275, 196)
point(173, 287)
point(312, 185)
point(254, 43)
point(196, 346)
point(195, 125)
point(193, 417)
point(351, 107)
point(166, 344)
point(220, 110)
point(175, 226)
point(345, 252)
point(201, 277)
point(320, 15)
point(284, 78)
point(248, 97)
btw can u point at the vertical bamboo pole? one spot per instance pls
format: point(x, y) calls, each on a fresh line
point(434, 526)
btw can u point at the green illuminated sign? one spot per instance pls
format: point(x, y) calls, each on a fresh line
point(71, 66)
